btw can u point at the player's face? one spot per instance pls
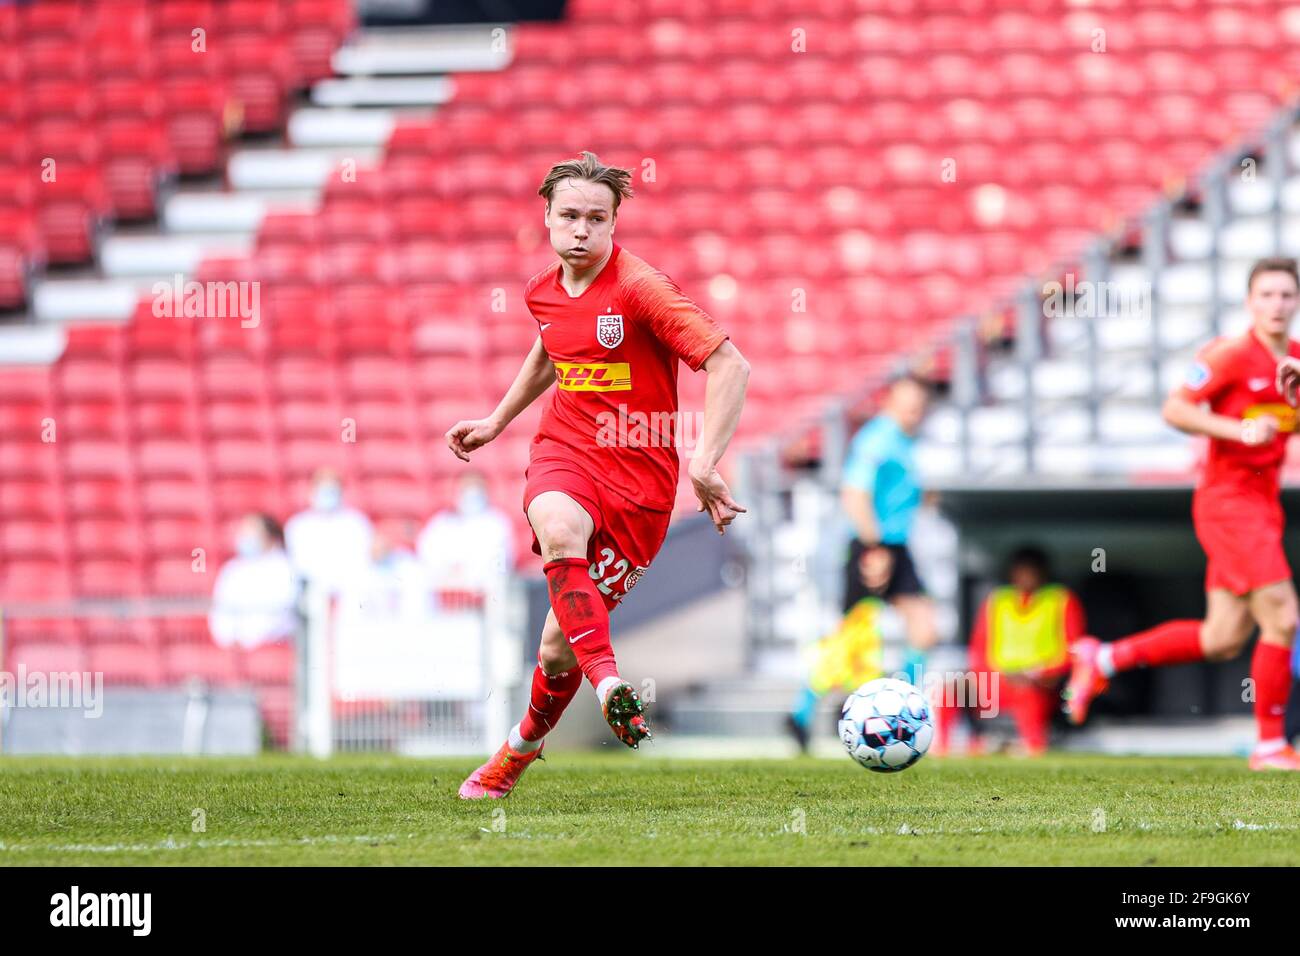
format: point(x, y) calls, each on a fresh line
point(1272, 301)
point(581, 221)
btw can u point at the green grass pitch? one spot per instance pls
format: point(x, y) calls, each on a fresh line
point(590, 808)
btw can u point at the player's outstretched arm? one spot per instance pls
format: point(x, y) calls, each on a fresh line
point(1193, 419)
point(724, 397)
point(535, 376)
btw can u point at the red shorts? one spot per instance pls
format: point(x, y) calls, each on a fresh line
point(1241, 532)
point(627, 536)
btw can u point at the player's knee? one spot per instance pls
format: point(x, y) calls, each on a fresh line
point(1278, 614)
point(560, 537)
point(1281, 625)
point(1224, 643)
point(556, 658)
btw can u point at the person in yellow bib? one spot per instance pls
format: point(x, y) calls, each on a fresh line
point(1023, 633)
point(841, 661)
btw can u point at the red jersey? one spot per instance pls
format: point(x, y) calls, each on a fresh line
point(615, 350)
point(1238, 376)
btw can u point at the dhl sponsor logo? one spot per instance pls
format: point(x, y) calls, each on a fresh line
point(1285, 414)
point(598, 377)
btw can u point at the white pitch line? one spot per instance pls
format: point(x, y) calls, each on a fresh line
point(198, 844)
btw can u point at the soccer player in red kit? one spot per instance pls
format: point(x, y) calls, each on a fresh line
point(1238, 517)
point(598, 494)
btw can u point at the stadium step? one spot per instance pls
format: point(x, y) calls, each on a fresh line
point(31, 344)
point(90, 300)
point(124, 257)
point(384, 91)
point(292, 169)
point(313, 127)
point(448, 49)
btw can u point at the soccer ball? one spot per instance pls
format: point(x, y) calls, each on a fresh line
point(885, 725)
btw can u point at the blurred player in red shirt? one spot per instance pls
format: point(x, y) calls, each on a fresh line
point(603, 467)
point(1238, 517)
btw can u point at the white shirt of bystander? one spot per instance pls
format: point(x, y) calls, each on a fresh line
point(253, 601)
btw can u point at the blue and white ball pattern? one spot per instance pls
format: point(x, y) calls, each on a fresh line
point(886, 726)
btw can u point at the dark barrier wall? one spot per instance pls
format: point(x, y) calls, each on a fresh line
point(1154, 570)
point(377, 13)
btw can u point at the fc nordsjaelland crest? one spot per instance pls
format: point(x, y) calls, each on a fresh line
point(609, 330)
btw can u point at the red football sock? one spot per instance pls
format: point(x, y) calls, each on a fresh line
point(550, 695)
point(1270, 669)
point(1173, 642)
point(582, 616)
point(1031, 709)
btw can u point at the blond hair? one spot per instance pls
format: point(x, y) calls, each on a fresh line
point(588, 168)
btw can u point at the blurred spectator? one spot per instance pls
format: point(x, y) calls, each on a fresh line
point(254, 600)
point(467, 548)
point(1023, 633)
point(328, 542)
point(393, 585)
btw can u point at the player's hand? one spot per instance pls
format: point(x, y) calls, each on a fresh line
point(464, 437)
point(1259, 430)
point(715, 497)
point(877, 567)
point(1288, 377)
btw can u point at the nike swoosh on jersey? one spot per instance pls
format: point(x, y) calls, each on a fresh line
point(543, 328)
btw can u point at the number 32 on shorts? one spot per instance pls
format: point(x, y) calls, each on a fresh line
point(618, 571)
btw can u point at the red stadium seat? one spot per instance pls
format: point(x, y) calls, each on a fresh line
point(96, 458)
point(105, 538)
point(202, 661)
point(108, 578)
point(261, 70)
point(158, 378)
point(47, 658)
point(70, 211)
point(22, 498)
point(137, 160)
point(243, 457)
point(36, 580)
point(127, 663)
point(184, 576)
point(94, 420)
point(270, 664)
point(237, 496)
point(171, 496)
point(196, 124)
point(99, 496)
point(178, 418)
point(168, 458)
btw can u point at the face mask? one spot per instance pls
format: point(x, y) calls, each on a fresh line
point(326, 497)
point(472, 501)
point(249, 545)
